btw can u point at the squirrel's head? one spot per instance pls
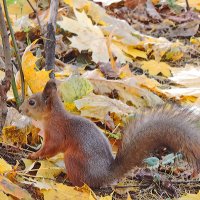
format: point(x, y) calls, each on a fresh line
point(39, 105)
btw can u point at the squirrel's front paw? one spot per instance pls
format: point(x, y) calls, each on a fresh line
point(34, 156)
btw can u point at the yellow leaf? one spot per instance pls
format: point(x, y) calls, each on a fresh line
point(135, 52)
point(129, 197)
point(154, 68)
point(155, 2)
point(4, 196)
point(29, 164)
point(125, 72)
point(63, 192)
point(48, 169)
point(78, 4)
point(190, 197)
point(36, 80)
point(195, 41)
point(130, 50)
point(13, 134)
point(70, 106)
point(175, 52)
point(106, 197)
point(19, 8)
point(4, 166)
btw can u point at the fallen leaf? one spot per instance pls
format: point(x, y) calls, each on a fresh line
point(155, 68)
point(98, 106)
point(36, 79)
point(10, 188)
point(4, 196)
point(89, 36)
point(48, 169)
point(75, 87)
point(63, 192)
point(193, 3)
point(4, 166)
point(129, 90)
point(190, 197)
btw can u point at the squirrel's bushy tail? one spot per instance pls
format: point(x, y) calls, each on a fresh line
point(172, 127)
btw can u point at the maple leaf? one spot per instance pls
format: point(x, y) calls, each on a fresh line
point(154, 68)
point(36, 80)
point(89, 36)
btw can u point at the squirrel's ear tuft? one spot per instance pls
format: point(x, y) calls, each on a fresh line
point(49, 89)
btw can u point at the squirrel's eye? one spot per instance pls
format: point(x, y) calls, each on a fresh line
point(31, 102)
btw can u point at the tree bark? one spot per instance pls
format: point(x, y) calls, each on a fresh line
point(6, 82)
point(50, 43)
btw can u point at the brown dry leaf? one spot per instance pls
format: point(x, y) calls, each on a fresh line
point(152, 12)
point(10, 92)
point(186, 29)
point(133, 3)
point(124, 34)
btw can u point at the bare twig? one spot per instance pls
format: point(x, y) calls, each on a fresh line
point(187, 5)
point(36, 13)
point(16, 51)
point(6, 82)
point(50, 43)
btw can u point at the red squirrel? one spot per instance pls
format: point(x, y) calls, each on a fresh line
point(87, 152)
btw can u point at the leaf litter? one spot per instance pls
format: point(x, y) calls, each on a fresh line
point(151, 80)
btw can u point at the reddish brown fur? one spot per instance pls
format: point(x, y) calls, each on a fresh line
point(87, 152)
